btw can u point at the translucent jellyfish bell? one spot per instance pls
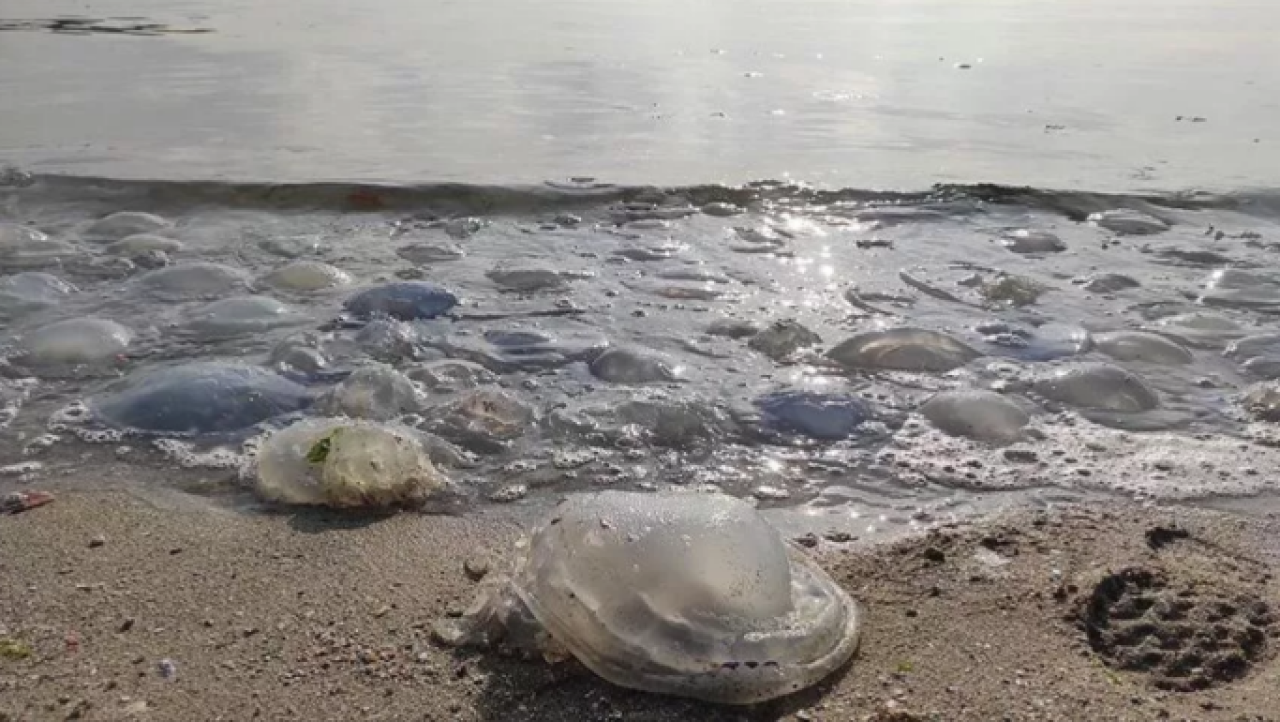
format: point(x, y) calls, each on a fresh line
point(686, 594)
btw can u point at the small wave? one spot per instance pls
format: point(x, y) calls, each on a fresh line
point(176, 196)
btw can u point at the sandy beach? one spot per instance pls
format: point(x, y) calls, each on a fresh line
point(976, 302)
point(117, 608)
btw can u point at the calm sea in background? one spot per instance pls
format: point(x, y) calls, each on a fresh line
point(850, 93)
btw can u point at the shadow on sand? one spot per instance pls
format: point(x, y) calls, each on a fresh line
point(518, 690)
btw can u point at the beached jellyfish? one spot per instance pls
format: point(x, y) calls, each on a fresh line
point(190, 281)
point(74, 342)
point(686, 594)
point(1126, 221)
point(239, 316)
point(347, 463)
point(822, 416)
point(976, 414)
point(198, 398)
point(376, 391)
point(124, 224)
point(1141, 346)
point(783, 338)
point(1025, 240)
point(144, 243)
point(406, 301)
point(306, 277)
point(903, 349)
point(1097, 386)
point(633, 366)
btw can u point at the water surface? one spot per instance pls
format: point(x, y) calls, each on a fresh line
point(857, 93)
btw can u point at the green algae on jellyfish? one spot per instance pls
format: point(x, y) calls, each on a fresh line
point(347, 463)
point(686, 594)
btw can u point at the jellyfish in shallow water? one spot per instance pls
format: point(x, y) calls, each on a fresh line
point(240, 316)
point(1098, 386)
point(827, 417)
point(976, 414)
point(306, 276)
point(903, 349)
point(198, 398)
point(686, 594)
point(74, 341)
point(408, 301)
point(1142, 346)
point(124, 224)
point(633, 366)
point(188, 281)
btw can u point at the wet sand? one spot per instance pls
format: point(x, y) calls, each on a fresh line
point(316, 616)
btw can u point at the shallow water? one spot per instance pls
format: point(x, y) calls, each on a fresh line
point(1112, 96)
point(687, 404)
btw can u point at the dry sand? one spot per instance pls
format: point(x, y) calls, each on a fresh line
point(318, 616)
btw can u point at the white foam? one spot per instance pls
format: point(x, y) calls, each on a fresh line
point(187, 456)
point(1079, 455)
point(24, 469)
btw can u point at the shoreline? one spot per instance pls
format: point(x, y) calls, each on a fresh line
point(318, 615)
